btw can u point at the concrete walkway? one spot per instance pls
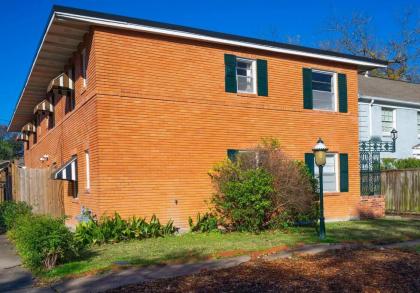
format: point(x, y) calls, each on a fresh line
point(129, 276)
point(12, 275)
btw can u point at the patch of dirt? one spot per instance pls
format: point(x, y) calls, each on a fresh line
point(254, 254)
point(364, 270)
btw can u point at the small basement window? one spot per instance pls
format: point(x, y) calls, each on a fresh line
point(323, 90)
point(246, 75)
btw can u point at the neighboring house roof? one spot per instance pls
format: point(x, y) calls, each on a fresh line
point(417, 146)
point(389, 90)
point(67, 26)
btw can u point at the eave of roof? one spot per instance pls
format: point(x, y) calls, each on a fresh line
point(78, 20)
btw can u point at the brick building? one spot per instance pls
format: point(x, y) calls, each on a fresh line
point(135, 113)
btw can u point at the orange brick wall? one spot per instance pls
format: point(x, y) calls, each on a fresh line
point(157, 118)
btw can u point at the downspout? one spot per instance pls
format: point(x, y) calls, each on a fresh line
point(370, 118)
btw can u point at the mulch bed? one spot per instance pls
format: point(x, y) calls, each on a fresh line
point(364, 270)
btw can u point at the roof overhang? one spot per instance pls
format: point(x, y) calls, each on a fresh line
point(67, 26)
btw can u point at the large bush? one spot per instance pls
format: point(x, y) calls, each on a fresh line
point(243, 196)
point(400, 164)
point(10, 212)
point(42, 241)
point(264, 188)
point(115, 229)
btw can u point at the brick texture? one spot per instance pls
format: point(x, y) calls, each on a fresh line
point(372, 207)
point(155, 117)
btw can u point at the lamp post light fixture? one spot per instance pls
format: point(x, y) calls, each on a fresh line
point(394, 136)
point(320, 153)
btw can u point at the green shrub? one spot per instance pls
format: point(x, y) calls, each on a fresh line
point(264, 188)
point(204, 223)
point(115, 229)
point(243, 196)
point(42, 241)
point(400, 164)
point(10, 212)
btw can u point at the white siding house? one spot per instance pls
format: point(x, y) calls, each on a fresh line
point(386, 104)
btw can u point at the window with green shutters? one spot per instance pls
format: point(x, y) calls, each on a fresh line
point(244, 75)
point(334, 180)
point(323, 90)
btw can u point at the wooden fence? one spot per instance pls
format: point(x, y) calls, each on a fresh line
point(38, 189)
point(402, 191)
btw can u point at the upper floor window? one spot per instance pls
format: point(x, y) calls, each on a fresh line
point(323, 90)
point(330, 174)
point(87, 165)
point(388, 121)
point(84, 67)
point(418, 124)
point(246, 75)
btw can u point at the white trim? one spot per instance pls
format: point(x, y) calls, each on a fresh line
point(84, 67)
point(388, 100)
point(389, 106)
point(334, 87)
point(87, 163)
point(394, 120)
point(253, 72)
point(166, 31)
point(32, 68)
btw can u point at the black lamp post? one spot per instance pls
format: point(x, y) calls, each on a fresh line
point(394, 136)
point(320, 153)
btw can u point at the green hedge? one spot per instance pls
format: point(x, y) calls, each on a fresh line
point(10, 211)
point(399, 164)
point(43, 241)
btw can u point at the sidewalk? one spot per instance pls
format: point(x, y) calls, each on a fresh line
point(12, 275)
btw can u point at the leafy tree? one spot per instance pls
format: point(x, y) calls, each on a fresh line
point(9, 147)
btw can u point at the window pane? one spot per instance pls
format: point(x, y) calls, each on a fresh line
point(321, 86)
point(321, 77)
point(323, 100)
point(241, 71)
point(387, 120)
point(245, 84)
point(329, 174)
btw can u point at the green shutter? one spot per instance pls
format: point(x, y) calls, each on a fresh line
point(310, 162)
point(344, 173)
point(232, 154)
point(262, 79)
point(342, 93)
point(307, 88)
point(230, 73)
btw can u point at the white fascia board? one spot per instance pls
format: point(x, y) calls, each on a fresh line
point(380, 99)
point(32, 68)
point(188, 35)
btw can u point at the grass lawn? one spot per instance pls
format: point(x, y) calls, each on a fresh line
point(193, 247)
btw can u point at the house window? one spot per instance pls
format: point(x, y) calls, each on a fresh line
point(323, 90)
point(84, 67)
point(418, 124)
point(51, 116)
point(330, 173)
point(246, 75)
point(87, 162)
point(388, 121)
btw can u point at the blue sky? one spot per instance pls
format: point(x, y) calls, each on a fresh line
point(22, 24)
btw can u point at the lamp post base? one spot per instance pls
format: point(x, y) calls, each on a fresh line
point(322, 228)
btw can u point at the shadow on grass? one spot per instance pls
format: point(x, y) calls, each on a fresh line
point(377, 231)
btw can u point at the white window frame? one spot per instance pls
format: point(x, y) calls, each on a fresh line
point(87, 166)
point(84, 67)
point(334, 87)
point(418, 124)
point(394, 121)
point(337, 173)
point(253, 72)
point(70, 76)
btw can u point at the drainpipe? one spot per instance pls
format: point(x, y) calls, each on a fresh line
point(370, 118)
